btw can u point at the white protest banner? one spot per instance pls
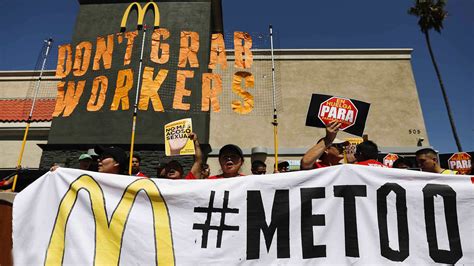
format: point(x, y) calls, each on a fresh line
point(346, 214)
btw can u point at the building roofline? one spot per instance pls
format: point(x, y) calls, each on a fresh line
point(22, 75)
point(332, 54)
point(27, 73)
point(342, 50)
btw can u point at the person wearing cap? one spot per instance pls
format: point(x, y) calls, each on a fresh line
point(174, 170)
point(367, 153)
point(85, 161)
point(282, 166)
point(258, 167)
point(231, 159)
point(112, 160)
point(327, 151)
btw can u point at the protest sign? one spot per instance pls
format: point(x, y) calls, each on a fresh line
point(352, 114)
point(461, 162)
point(177, 141)
point(389, 159)
point(347, 214)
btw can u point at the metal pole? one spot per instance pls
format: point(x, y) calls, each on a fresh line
point(275, 115)
point(135, 107)
point(48, 46)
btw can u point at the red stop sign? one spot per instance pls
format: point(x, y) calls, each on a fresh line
point(340, 109)
point(389, 159)
point(461, 162)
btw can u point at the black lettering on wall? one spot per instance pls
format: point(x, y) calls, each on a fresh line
point(454, 253)
point(402, 221)
point(280, 222)
point(308, 220)
point(349, 193)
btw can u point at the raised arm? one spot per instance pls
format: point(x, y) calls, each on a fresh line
point(196, 168)
point(315, 152)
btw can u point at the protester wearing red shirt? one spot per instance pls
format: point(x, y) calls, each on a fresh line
point(174, 170)
point(231, 159)
point(367, 153)
point(327, 151)
point(136, 160)
point(372, 163)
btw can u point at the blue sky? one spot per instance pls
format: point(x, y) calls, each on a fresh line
point(303, 24)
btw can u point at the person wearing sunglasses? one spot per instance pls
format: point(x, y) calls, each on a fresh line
point(112, 160)
point(327, 151)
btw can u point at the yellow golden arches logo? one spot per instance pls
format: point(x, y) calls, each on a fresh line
point(141, 14)
point(109, 233)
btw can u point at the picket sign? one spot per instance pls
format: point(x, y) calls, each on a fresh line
point(345, 214)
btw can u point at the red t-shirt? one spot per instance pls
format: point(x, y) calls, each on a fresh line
point(140, 174)
point(372, 163)
point(317, 165)
point(220, 176)
point(190, 176)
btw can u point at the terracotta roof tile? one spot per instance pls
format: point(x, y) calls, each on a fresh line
point(17, 110)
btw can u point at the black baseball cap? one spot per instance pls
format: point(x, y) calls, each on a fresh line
point(283, 164)
point(115, 152)
point(231, 148)
point(175, 165)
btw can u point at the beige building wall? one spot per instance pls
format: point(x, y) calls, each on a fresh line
point(11, 151)
point(382, 77)
point(20, 85)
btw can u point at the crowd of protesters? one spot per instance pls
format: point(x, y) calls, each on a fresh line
point(328, 151)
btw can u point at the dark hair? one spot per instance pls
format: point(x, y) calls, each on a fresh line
point(204, 166)
point(367, 150)
point(137, 157)
point(174, 165)
point(258, 163)
point(426, 151)
point(400, 161)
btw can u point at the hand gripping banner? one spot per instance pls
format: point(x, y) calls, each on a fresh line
point(345, 214)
